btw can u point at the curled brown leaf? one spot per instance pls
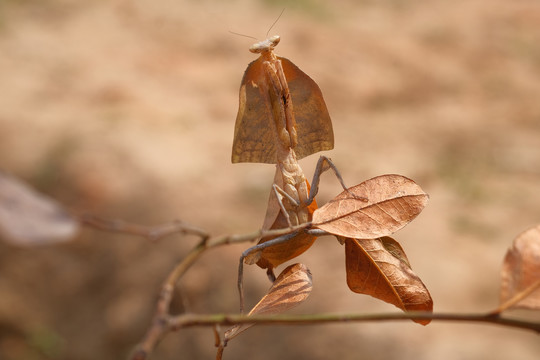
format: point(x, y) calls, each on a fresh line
point(291, 288)
point(520, 272)
point(380, 268)
point(393, 202)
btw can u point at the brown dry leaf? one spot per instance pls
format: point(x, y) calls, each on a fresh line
point(393, 202)
point(291, 288)
point(521, 270)
point(380, 268)
point(30, 218)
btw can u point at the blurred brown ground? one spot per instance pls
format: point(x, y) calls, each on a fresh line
point(126, 109)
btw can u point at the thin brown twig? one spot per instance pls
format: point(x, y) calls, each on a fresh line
point(233, 239)
point(153, 233)
point(163, 321)
point(188, 320)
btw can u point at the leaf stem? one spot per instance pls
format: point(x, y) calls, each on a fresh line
point(517, 298)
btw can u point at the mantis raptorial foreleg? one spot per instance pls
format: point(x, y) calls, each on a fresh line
point(323, 164)
point(280, 193)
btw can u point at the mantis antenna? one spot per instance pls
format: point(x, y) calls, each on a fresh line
point(281, 13)
point(248, 36)
point(254, 38)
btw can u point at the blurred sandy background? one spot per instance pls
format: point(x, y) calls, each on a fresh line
point(126, 109)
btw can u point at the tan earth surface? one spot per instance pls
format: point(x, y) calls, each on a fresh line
point(125, 109)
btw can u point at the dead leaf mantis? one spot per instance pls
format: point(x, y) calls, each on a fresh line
point(282, 117)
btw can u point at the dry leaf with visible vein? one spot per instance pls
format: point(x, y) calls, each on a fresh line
point(380, 268)
point(291, 288)
point(30, 218)
point(521, 270)
point(393, 202)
